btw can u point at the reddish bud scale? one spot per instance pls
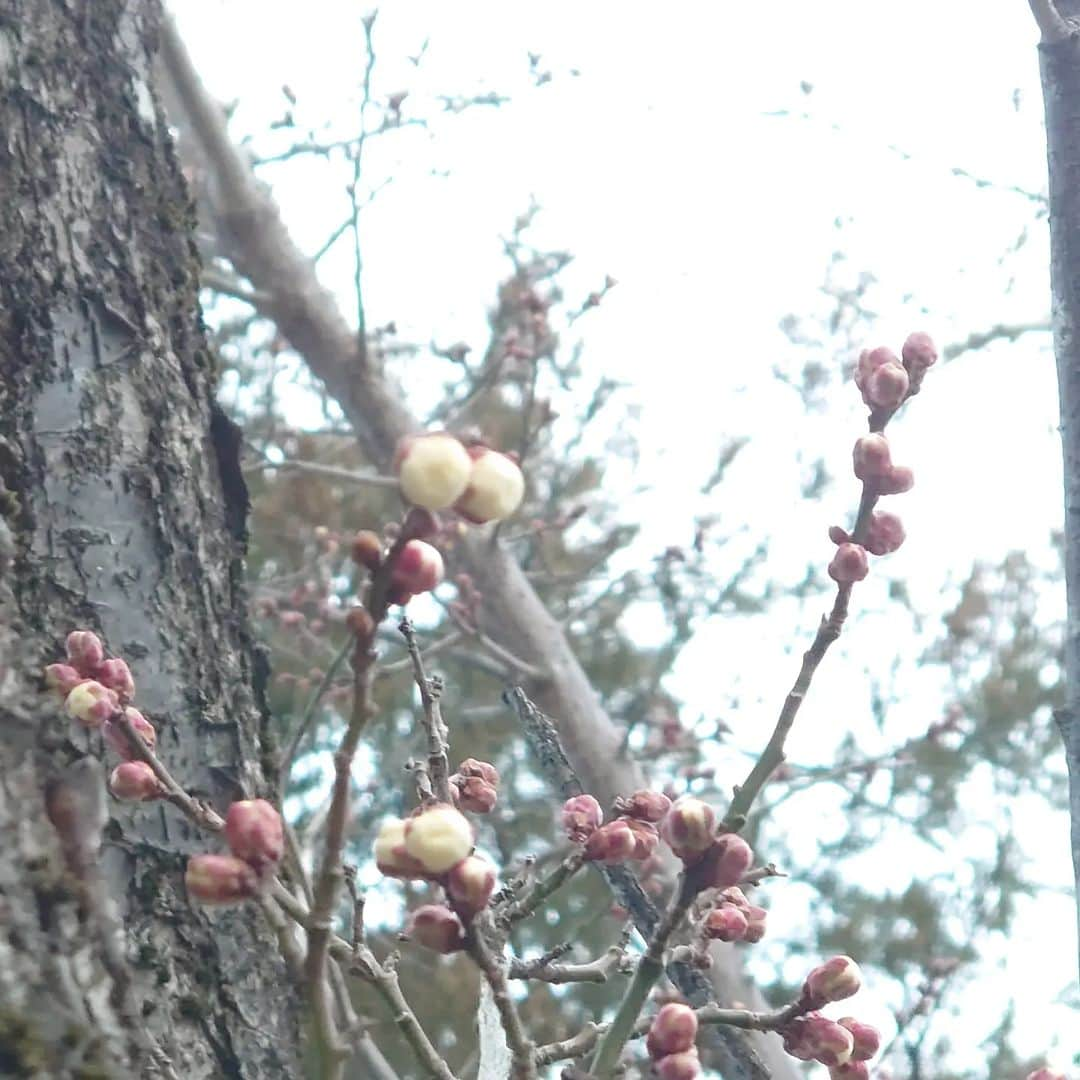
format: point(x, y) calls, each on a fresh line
point(727, 861)
point(836, 979)
point(866, 1038)
point(482, 769)
point(645, 838)
point(91, 703)
point(725, 923)
point(63, 678)
point(688, 828)
point(219, 879)
point(919, 354)
point(437, 928)
point(650, 806)
point(884, 534)
point(470, 884)
point(360, 624)
point(612, 843)
point(898, 480)
point(755, 924)
point(119, 740)
point(814, 1037)
point(417, 568)
point(254, 832)
point(473, 794)
point(673, 1031)
point(581, 817)
point(134, 781)
point(849, 564)
point(851, 1070)
point(366, 550)
point(684, 1066)
point(116, 675)
point(85, 651)
point(871, 457)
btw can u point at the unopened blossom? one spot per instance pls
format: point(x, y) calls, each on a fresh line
point(418, 568)
point(433, 470)
point(219, 879)
point(849, 564)
point(91, 703)
point(134, 781)
point(254, 832)
point(438, 838)
point(612, 843)
point(85, 651)
point(581, 817)
point(470, 884)
point(689, 827)
point(436, 927)
point(495, 487)
point(672, 1031)
point(836, 979)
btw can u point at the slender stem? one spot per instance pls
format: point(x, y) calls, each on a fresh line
point(333, 471)
point(430, 694)
point(650, 968)
point(542, 889)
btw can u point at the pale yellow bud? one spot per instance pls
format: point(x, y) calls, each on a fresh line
point(496, 487)
point(433, 470)
point(438, 838)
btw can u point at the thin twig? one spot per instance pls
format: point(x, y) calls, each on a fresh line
point(315, 467)
point(542, 889)
point(430, 688)
point(546, 968)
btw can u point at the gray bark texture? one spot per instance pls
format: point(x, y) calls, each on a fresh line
point(252, 235)
point(121, 510)
point(1060, 68)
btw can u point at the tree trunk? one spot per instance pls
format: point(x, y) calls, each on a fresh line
point(121, 510)
point(1060, 66)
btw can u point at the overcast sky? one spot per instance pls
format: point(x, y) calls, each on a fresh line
point(712, 158)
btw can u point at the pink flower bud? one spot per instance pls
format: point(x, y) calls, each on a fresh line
point(871, 457)
point(919, 353)
point(896, 481)
point(648, 806)
point(418, 568)
point(612, 843)
point(433, 470)
point(85, 651)
point(836, 979)
point(473, 794)
point(727, 861)
point(645, 838)
point(91, 703)
point(755, 924)
point(838, 535)
point(438, 838)
point(814, 1037)
point(254, 832)
point(118, 739)
point(849, 564)
point(470, 884)
point(735, 896)
point(885, 533)
point(62, 678)
point(484, 770)
point(885, 387)
point(495, 489)
point(116, 675)
point(869, 362)
point(851, 1070)
point(366, 550)
point(684, 1066)
point(1046, 1073)
point(391, 858)
point(725, 923)
point(866, 1038)
point(673, 1031)
point(134, 781)
point(581, 817)
point(436, 927)
point(688, 828)
point(219, 879)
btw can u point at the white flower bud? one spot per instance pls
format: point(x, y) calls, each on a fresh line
point(433, 470)
point(438, 838)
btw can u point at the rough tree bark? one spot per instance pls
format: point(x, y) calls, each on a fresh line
point(121, 509)
point(1059, 55)
point(251, 234)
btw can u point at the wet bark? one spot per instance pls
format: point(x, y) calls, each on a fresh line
point(122, 510)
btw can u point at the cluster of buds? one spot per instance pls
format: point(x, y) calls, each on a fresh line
point(844, 1045)
point(416, 567)
point(438, 472)
point(436, 844)
point(256, 838)
point(885, 380)
point(96, 692)
point(734, 918)
point(631, 834)
point(475, 786)
point(689, 828)
point(670, 1043)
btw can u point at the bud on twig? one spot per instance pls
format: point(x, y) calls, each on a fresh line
point(814, 1037)
point(219, 879)
point(62, 678)
point(684, 1066)
point(116, 675)
point(495, 489)
point(134, 781)
point(433, 470)
point(85, 651)
point(648, 806)
point(836, 979)
point(673, 1031)
point(437, 928)
point(727, 861)
point(438, 838)
point(91, 703)
point(119, 740)
point(688, 828)
point(417, 568)
point(849, 564)
point(850, 1070)
point(612, 843)
point(473, 794)
point(391, 858)
point(581, 817)
point(470, 884)
point(866, 1038)
point(884, 534)
point(254, 832)
point(725, 923)
point(366, 550)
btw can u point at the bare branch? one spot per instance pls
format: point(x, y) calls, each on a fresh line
point(430, 693)
point(1051, 25)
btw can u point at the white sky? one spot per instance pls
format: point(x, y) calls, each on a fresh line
point(660, 165)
